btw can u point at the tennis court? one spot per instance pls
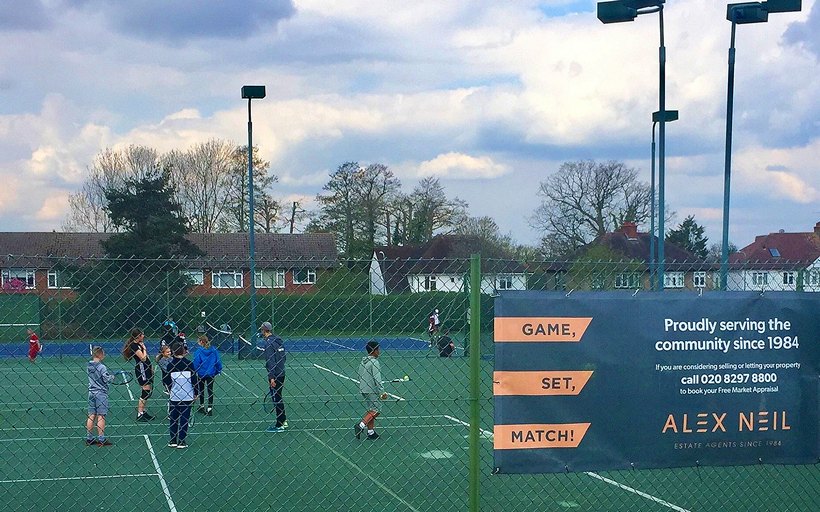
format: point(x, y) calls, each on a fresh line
point(419, 464)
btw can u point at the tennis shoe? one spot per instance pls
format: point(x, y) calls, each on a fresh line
point(357, 429)
point(274, 429)
point(373, 436)
point(143, 418)
point(173, 444)
point(209, 412)
point(285, 424)
point(148, 416)
point(90, 442)
point(182, 446)
point(104, 442)
point(201, 409)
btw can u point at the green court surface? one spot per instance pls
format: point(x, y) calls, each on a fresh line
point(419, 464)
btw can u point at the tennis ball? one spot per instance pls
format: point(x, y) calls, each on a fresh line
point(406, 377)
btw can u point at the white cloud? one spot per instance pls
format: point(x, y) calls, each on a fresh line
point(458, 165)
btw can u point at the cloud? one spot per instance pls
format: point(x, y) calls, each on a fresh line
point(458, 165)
point(182, 20)
point(28, 15)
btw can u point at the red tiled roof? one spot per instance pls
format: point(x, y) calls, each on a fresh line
point(802, 248)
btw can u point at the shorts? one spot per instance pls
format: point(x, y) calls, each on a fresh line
point(144, 373)
point(32, 352)
point(97, 404)
point(371, 400)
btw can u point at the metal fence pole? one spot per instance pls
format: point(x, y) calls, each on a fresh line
point(475, 374)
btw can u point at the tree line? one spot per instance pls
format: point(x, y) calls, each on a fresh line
point(366, 206)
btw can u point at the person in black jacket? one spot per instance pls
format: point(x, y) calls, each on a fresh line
point(183, 382)
point(275, 356)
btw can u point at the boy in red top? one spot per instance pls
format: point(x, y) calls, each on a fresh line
point(34, 346)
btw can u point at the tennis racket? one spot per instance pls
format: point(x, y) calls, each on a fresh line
point(122, 377)
point(406, 378)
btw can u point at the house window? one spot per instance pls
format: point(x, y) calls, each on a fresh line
point(628, 280)
point(196, 277)
point(57, 280)
point(699, 279)
point(673, 280)
point(18, 278)
point(716, 280)
point(270, 279)
point(226, 279)
point(430, 283)
point(304, 276)
point(760, 278)
point(504, 283)
point(814, 277)
point(788, 277)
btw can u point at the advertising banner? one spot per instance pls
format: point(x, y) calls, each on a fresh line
point(608, 380)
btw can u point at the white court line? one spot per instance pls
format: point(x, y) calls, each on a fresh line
point(130, 394)
point(159, 474)
point(397, 397)
point(64, 478)
point(635, 491)
point(234, 380)
point(340, 345)
point(466, 424)
point(357, 468)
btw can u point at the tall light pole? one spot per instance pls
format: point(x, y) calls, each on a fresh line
point(670, 115)
point(749, 12)
point(618, 11)
point(251, 92)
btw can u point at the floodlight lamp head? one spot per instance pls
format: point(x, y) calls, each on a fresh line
point(668, 117)
point(749, 12)
point(783, 5)
point(253, 92)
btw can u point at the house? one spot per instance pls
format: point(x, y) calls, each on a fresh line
point(290, 263)
point(621, 259)
point(777, 261)
point(440, 265)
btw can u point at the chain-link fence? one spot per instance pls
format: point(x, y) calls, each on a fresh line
point(429, 449)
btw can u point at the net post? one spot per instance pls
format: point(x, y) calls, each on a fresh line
point(475, 374)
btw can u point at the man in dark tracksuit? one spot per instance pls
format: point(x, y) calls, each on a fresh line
point(275, 357)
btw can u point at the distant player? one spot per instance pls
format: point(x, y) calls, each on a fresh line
point(433, 325)
point(372, 389)
point(446, 347)
point(34, 346)
point(169, 332)
point(183, 382)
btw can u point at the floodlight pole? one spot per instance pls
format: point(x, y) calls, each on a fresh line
point(251, 241)
point(661, 150)
point(652, 215)
point(744, 13)
point(250, 92)
point(727, 162)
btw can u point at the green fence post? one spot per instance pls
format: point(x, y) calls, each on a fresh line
point(475, 374)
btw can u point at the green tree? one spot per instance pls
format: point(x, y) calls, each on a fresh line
point(690, 236)
point(150, 219)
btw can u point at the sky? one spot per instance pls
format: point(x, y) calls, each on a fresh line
point(490, 97)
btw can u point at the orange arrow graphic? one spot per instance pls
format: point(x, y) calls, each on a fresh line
point(540, 383)
point(540, 329)
point(538, 436)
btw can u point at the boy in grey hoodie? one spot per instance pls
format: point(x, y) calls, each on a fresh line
point(372, 389)
point(99, 379)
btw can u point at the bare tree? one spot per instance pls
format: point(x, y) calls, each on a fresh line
point(202, 177)
point(586, 199)
point(110, 169)
point(236, 218)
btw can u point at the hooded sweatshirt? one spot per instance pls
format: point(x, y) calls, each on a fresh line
point(207, 362)
point(98, 377)
point(370, 376)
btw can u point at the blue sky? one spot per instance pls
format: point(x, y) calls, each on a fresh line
point(489, 96)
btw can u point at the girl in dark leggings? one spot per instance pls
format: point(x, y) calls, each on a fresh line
point(207, 364)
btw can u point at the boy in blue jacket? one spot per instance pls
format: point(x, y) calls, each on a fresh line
point(208, 364)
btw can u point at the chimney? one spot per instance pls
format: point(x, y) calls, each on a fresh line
point(630, 229)
point(817, 229)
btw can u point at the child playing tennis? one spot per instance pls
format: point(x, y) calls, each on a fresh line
point(208, 364)
point(34, 346)
point(99, 379)
point(134, 348)
point(372, 389)
point(183, 382)
point(163, 360)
